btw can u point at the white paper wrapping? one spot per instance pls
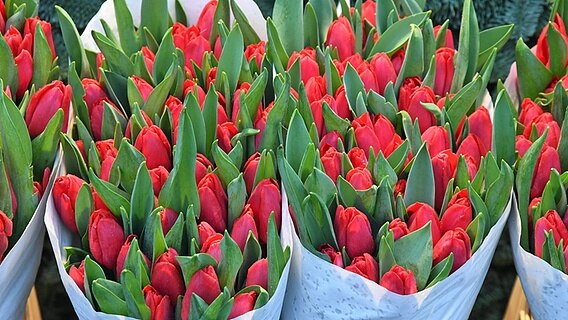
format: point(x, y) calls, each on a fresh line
point(320, 290)
point(192, 9)
point(19, 268)
point(545, 287)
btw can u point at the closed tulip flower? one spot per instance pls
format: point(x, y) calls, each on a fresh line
point(360, 178)
point(123, 253)
point(317, 112)
point(522, 145)
point(202, 166)
point(166, 275)
point(342, 104)
point(143, 87)
point(168, 218)
point(331, 139)
point(17, 42)
point(212, 246)
point(473, 147)
point(249, 171)
point(256, 52)
point(244, 302)
point(550, 222)
point(160, 305)
point(159, 177)
point(205, 284)
point(192, 43)
point(5, 233)
point(309, 67)
point(96, 115)
point(353, 231)
point(106, 167)
point(399, 280)
point(458, 213)
point(334, 255)
point(543, 122)
point(529, 112)
point(205, 231)
point(78, 275)
point(316, 88)
point(378, 135)
point(369, 12)
point(243, 226)
point(542, 48)
point(456, 242)
point(260, 125)
point(354, 60)
point(340, 35)
point(205, 20)
point(367, 75)
point(357, 158)
point(444, 165)
point(331, 161)
point(94, 92)
point(444, 70)
point(44, 104)
point(384, 71)
point(30, 27)
point(3, 17)
point(547, 160)
point(400, 188)
point(426, 119)
point(449, 37)
point(365, 266)
point(213, 202)
point(106, 237)
point(65, 191)
point(154, 145)
point(226, 132)
point(399, 228)
point(419, 214)
point(437, 139)
point(264, 200)
point(480, 125)
point(257, 274)
point(409, 85)
point(24, 62)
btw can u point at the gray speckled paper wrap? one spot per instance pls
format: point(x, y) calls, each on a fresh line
point(319, 290)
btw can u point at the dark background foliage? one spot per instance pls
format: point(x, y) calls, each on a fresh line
point(528, 16)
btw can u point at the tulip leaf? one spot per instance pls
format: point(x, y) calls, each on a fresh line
point(46, 145)
point(109, 297)
point(297, 141)
point(78, 104)
point(333, 122)
point(234, 47)
point(226, 169)
point(231, 261)
point(141, 203)
point(249, 34)
point(8, 68)
point(468, 49)
point(534, 77)
point(158, 96)
point(320, 183)
point(156, 24)
point(353, 85)
point(420, 183)
point(220, 308)
point(384, 204)
point(441, 271)
point(117, 87)
point(5, 193)
point(93, 271)
point(413, 64)
point(498, 193)
point(288, 21)
point(382, 169)
point(414, 251)
point(126, 165)
point(275, 118)
point(190, 265)
point(112, 197)
point(266, 167)
point(165, 58)
point(395, 36)
point(563, 143)
point(384, 9)
point(378, 104)
point(490, 39)
point(180, 190)
point(386, 254)
point(412, 132)
point(477, 230)
point(251, 253)
point(133, 296)
point(503, 130)
point(277, 256)
point(462, 102)
point(84, 205)
point(73, 159)
point(552, 254)
point(399, 156)
point(42, 58)
point(275, 51)
point(116, 59)
point(135, 262)
point(192, 106)
point(125, 27)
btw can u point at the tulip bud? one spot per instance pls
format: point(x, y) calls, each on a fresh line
point(409, 86)
point(331, 161)
point(378, 135)
point(106, 167)
point(437, 139)
point(317, 112)
point(78, 275)
point(340, 35)
point(106, 149)
point(543, 122)
point(360, 178)
point(419, 214)
point(192, 43)
point(353, 231)
point(399, 280)
point(44, 104)
point(369, 12)
point(225, 132)
point(384, 71)
point(309, 67)
point(244, 88)
point(167, 277)
point(342, 104)
point(244, 302)
point(400, 188)
point(212, 246)
point(123, 253)
point(456, 242)
point(3, 17)
point(357, 158)
point(547, 160)
point(16, 42)
point(542, 49)
point(213, 202)
point(24, 62)
point(334, 256)
point(149, 58)
point(480, 125)
point(160, 306)
point(365, 266)
point(458, 214)
point(444, 165)
point(529, 112)
point(426, 119)
point(203, 283)
point(106, 237)
point(202, 167)
point(366, 73)
point(5, 233)
point(168, 218)
point(257, 274)
point(154, 145)
point(250, 168)
point(550, 222)
point(444, 70)
point(264, 200)
point(256, 51)
point(93, 92)
point(205, 21)
point(316, 88)
point(354, 60)
point(65, 191)
point(330, 140)
point(205, 231)
point(522, 145)
point(399, 228)
point(260, 125)
point(159, 177)
point(242, 226)
point(449, 37)
point(30, 27)
point(143, 87)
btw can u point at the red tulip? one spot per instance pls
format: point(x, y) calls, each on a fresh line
point(400, 188)
point(529, 112)
point(550, 222)
point(225, 132)
point(17, 42)
point(168, 218)
point(143, 87)
point(160, 306)
point(342, 104)
point(106, 167)
point(331, 161)
point(369, 12)
point(5, 233)
point(365, 266)
point(419, 214)
point(167, 277)
point(256, 51)
point(24, 62)
point(437, 139)
point(154, 145)
point(65, 191)
point(205, 231)
point(316, 88)
point(542, 49)
point(472, 146)
point(547, 160)
point(334, 255)
point(309, 67)
point(257, 274)
point(212, 246)
point(409, 86)
point(522, 145)
point(106, 149)
point(205, 21)
point(3, 17)
point(244, 302)
point(399, 280)
point(213, 202)
point(458, 213)
point(331, 139)
point(354, 60)
point(203, 283)
point(340, 35)
point(444, 70)
point(244, 225)
point(192, 43)
point(106, 237)
point(244, 88)
point(384, 71)
point(449, 37)
point(353, 231)
point(456, 242)
point(357, 158)
point(426, 119)
point(249, 171)
point(444, 165)
point(317, 112)
point(149, 58)
point(399, 228)
point(44, 104)
point(264, 200)
point(367, 75)
point(260, 125)
point(123, 253)
point(543, 122)
point(480, 125)
point(360, 178)
point(78, 275)
point(379, 135)
point(159, 177)
point(30, 27)
point(202, 166)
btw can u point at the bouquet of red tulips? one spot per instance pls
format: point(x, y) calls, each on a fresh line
point(387, 161)
point(34, 109)
point(170, 206)
point(539, 231)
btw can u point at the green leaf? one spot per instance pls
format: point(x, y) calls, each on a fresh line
point(420, 183)
point(386, 254)
point(109, 297)
point(133, 296)
point(126, 165)
point(413, 64)
point(498, 193)
point(534, 77)
point(112, 197)
point(353, 85)
point(156, 23)
point(251, 254)
point(249, 34)
point(46, 145)
point(156, 100)
point(231, 261)
point(277, 257)
point(468, 49)
point(477, 230)
point(234, 47)
point(275, 119)
point(125, 26)
point(414, 252)
point(141, 203)
point(165, 57)
point(490, 39)
point(557, 46)
point(42, 59)
point(463, 101)
point(384, 9)
point(116, 59)
point(226, 170)
point(504, 130)
point(92, 272)
point(320, 183)
point(297, 141)
point(190, 265)
point(287, 16)
point(237, 195)
point(441, 271)
point(563, 144)
point(398, 34)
